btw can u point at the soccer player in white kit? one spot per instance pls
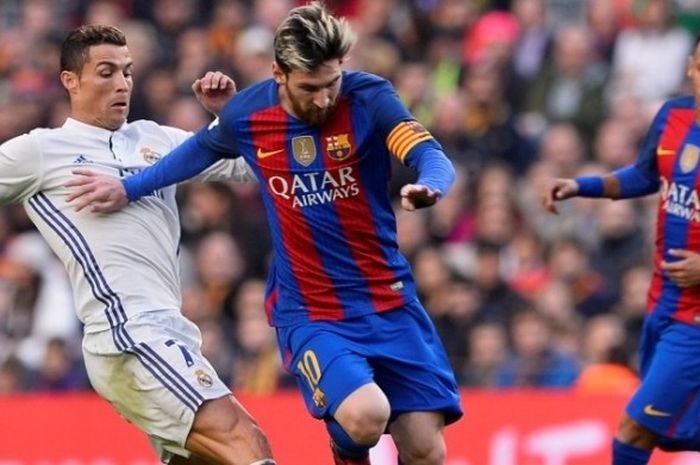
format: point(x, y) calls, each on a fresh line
point(141, 353)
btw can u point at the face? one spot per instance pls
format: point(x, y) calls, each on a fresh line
point(310, 96)
point(100, 95)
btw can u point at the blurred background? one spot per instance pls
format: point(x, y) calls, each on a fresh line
point(515, 90)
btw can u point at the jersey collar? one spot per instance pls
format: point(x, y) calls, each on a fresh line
point(90, 130)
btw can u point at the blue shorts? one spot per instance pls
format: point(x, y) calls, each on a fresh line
point(667, 401)
point(399, 350)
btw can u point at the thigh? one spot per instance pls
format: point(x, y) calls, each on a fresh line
point(418, 434)
point(411, 366)
point(667, 402)
point(158, 381)
point(326, 364)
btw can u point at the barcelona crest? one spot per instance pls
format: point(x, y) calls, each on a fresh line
point(689, 158)
point(149, 155)
point(304, 149)
point(338, 146)
point(319, 398)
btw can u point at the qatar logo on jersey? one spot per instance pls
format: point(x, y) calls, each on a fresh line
point(304, 149)
point(680, 200)
point(315, 188)
point(338, 146)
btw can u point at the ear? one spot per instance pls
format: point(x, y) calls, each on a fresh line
point(70, 81)
point(278, 74)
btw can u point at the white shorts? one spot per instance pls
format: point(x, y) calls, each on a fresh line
point(152, 371)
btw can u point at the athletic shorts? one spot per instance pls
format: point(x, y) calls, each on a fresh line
point(399, 350)
point(667, 401)
point(152, 371)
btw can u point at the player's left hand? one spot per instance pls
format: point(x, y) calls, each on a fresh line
point(686, 271)
point(415, 196)
point(213, 90)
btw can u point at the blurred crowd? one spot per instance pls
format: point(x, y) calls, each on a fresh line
point(515, 90)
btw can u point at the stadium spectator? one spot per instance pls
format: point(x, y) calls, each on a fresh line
point(339, 290)
point(663, 412)
point(141, 354)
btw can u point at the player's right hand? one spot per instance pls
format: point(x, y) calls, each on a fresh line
point(558, 189)
point(103, 194)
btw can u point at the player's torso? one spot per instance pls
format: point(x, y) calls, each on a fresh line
point(326, 194)
point(118, 263)
point(678, 221)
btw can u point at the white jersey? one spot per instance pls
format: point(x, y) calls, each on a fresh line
point(120, 264)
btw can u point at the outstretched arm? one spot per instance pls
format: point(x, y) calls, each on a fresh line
point(105, 194)
point(624, 183)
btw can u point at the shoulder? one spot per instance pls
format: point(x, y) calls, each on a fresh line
point(143, 127)
point(25, 143)
point(682, 102)
point(250, 100)
point(359, 82)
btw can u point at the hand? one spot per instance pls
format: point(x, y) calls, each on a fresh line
point(214, 90)
point(558, 189)
point(415, 196)
point(686, 271)
point(102, 193)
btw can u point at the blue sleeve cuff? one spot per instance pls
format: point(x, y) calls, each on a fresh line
point(590, 186)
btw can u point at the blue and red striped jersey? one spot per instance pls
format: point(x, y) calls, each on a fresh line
point(325, 189)
point(670, 153)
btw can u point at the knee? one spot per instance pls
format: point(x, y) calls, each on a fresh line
point(632, 433)
point(365, 426)
point(422, 452)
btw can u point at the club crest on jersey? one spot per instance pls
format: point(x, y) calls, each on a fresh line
point(304, 149)
point(150, 156)
point(319, 398)
point(203, 378)
point(338, 146)
point(689, 158)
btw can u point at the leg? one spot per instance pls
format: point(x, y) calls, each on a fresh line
point(364, 414)
point(633, 443)
point(419, 438)
point(358, 423)
point(224, 433)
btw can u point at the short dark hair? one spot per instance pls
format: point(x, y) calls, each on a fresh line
point(75, 47)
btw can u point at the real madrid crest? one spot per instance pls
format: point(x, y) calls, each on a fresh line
point(338, 146)
point(304, 149)
point(149, 155)
point(203, 378)
point(689, 158)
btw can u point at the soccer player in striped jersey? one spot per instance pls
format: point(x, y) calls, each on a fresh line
point(342, 297)
point(665, 411)
point(141, 353)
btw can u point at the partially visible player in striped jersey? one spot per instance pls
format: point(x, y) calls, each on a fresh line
point(141, 353)
point(342, 297)
point(665, 410)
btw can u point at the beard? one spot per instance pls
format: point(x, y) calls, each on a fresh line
point(313, 116)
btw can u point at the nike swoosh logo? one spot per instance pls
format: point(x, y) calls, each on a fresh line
point(650, 410)
point(263, 154)
point(662, 152)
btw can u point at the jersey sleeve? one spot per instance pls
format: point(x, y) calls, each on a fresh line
point(189, 159)
point(408, 140)
point(21, 166)
point(223, 170)
point(394, 123)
